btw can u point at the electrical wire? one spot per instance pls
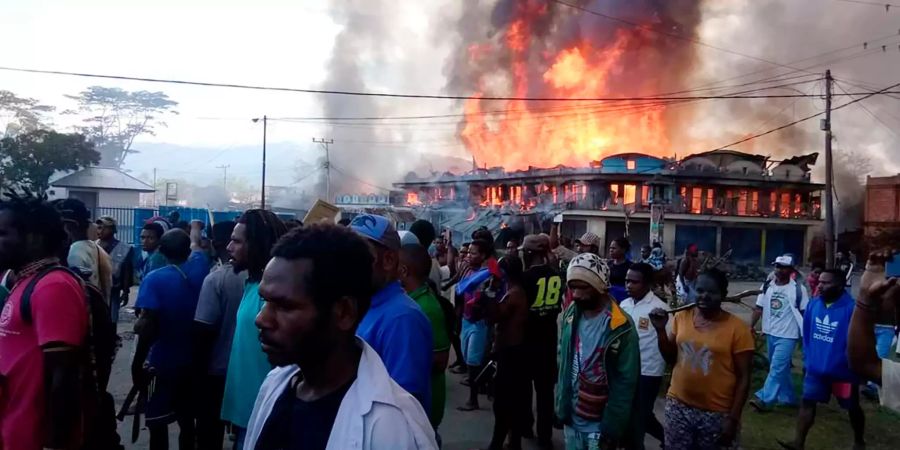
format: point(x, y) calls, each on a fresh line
point(359, 179)
point(304, 177)
point(874, 116)
point(790, 124)
point(665, 33)
point(886, 6)
point(385, 94)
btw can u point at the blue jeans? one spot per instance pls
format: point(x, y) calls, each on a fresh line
point(779, 389)
point(884, 337)
point(474, 339)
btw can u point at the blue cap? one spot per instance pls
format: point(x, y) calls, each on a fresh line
point(377, 229)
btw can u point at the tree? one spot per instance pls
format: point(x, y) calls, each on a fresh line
point(29, 159)
point(20, 114)
point(115, 117)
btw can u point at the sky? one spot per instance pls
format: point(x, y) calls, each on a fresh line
point(265, 42)
point(289, 43)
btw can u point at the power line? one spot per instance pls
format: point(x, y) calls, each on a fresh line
point(586, 108)
point(665, 33)
point(360, 180)
point(886, 6)
point(874, 116)
point(385, 94)
point(788, 125)
point(694, 40)
point(306, 176)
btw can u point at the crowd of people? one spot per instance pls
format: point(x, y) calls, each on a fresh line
point(340, 336)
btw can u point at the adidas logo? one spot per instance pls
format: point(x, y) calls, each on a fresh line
point(825, 325)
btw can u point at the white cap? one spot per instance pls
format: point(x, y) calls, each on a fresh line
point(784, 260)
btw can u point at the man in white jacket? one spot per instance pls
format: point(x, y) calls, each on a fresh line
point(329, 389)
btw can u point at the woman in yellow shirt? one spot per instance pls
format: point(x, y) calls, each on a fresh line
point(711, 350)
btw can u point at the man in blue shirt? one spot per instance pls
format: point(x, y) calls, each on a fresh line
point(826, 324)
point(395, 326)
point(167, 299)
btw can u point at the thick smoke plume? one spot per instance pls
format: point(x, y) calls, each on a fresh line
point(859, 43)
point(383, 46)
point(489, 47)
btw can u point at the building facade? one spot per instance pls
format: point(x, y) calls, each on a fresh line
point(882, 205)
point(726, 202)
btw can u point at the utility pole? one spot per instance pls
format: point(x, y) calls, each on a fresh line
point(154, 188)
point(224, 168)
point(325, 143)
point(829, 178)
point(265, 121)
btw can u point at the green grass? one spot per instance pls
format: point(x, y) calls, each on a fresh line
point(831, 429)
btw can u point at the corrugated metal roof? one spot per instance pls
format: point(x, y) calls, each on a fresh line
point(102, 178)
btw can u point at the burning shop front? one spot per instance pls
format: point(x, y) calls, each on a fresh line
point(727, 202)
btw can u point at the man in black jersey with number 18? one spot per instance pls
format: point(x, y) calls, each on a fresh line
point(544, 291)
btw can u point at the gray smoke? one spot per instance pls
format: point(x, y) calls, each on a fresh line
point(405, 46)
point(381, 48)
point(792, 33)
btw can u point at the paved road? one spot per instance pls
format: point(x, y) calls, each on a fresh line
point(460, 430)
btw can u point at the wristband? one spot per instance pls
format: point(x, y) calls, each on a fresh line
point(866, 307)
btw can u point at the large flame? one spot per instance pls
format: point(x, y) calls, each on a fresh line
point(545, 134)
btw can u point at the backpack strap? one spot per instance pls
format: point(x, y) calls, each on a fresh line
point(25, 304)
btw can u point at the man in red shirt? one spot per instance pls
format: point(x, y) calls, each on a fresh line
point(39, 358)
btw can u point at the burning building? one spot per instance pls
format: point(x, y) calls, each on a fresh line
point(721, 200)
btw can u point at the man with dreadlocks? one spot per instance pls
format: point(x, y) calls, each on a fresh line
point(255, 234)
point(36, 413)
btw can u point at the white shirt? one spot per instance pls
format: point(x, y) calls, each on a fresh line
point(652, 362)
point(780, 317)
point(376, 413)
point(890, 385)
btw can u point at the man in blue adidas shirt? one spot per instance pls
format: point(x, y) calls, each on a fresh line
point(826, 324)
point(395, 326)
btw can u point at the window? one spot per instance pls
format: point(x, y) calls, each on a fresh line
point(785, 207)
point(645, 195)
point(630, 191)
point(742, 203)
point(630, 164)
point(696, 196)
point(754, 202)
point(710, 199)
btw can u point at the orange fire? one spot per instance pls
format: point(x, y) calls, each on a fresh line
point(546, 134)
point(412, 199)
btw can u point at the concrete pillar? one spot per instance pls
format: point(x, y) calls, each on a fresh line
point(762, 248)
point(597, 225)
point(669, 239)
point(718, 241)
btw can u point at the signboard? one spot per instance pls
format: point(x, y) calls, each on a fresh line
point(171, 191)
point(322, 211)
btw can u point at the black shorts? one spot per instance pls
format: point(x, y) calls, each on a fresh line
point(170, 397)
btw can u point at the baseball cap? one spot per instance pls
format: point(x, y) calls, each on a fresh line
point(589, 239)
point(784, 261)
point(377, 229)
point(535, 243)
point(107, 221)
point(407, 238)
